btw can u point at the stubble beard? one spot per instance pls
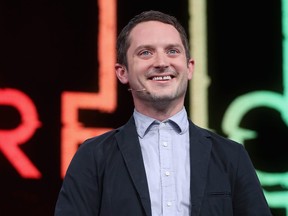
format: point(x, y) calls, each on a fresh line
point(161, 102)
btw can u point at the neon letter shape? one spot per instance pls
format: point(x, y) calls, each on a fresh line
point(105, 100)
point(243, 104)
point(11, 139)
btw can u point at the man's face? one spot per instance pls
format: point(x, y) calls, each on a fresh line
point(157, 62)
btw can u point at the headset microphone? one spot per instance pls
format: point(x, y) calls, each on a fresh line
point(137, 90)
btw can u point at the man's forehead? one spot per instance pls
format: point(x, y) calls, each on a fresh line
point(150, 30)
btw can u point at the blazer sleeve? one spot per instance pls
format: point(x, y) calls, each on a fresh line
point(79, 194)
point(248, 191)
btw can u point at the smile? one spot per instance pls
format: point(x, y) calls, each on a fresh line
point(162, 78)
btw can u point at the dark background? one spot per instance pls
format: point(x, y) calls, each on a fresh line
point(49, 46)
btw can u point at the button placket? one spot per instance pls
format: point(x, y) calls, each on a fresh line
point(166, 166)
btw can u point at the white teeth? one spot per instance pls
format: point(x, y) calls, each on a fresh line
point(162, 78)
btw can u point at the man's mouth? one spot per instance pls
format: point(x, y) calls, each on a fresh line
point(161, 78)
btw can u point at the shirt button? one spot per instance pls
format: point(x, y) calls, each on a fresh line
point(167, 173)
point(169, 204)
point(165, 144)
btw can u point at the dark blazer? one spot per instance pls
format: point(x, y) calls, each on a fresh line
point(106, 177)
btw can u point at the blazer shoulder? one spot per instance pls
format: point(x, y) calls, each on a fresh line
point(219, 143)
point(106, 140)
point(100, 140)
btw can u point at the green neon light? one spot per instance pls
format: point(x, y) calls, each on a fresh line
point(244, 103)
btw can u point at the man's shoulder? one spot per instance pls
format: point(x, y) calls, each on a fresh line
point(108, 138)
point(218, 141)
point(101, 139)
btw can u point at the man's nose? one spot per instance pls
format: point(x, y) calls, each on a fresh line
point(161, 60)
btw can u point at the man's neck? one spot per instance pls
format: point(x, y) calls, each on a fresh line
point(159, 114)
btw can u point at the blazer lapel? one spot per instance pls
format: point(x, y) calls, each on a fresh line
point(129, 146)
point(200, 149)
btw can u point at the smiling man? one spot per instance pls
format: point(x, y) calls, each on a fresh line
point(159, 163)
point(157, 60)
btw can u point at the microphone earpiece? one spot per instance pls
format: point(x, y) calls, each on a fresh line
point(137, 90)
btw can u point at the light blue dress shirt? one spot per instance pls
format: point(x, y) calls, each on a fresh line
point(165, 150)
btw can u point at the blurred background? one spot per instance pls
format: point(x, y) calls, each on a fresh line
point(58, 88)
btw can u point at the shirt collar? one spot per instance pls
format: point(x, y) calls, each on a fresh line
point(143, 123)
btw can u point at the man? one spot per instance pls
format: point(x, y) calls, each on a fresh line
point(159, 163)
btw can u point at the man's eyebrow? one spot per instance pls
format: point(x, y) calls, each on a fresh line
point(145, 46)
point(141, 47)
point(177, 45)
point(149, 46)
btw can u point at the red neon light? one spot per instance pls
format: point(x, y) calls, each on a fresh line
point(11, 139)
point(105, 100)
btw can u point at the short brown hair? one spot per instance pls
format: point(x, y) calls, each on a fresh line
point(123, 42)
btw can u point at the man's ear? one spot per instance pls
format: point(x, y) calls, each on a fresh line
point(191, 65)
point(121, 73)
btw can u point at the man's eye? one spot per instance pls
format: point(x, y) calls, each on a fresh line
point(173, 51)
point(144, 53)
